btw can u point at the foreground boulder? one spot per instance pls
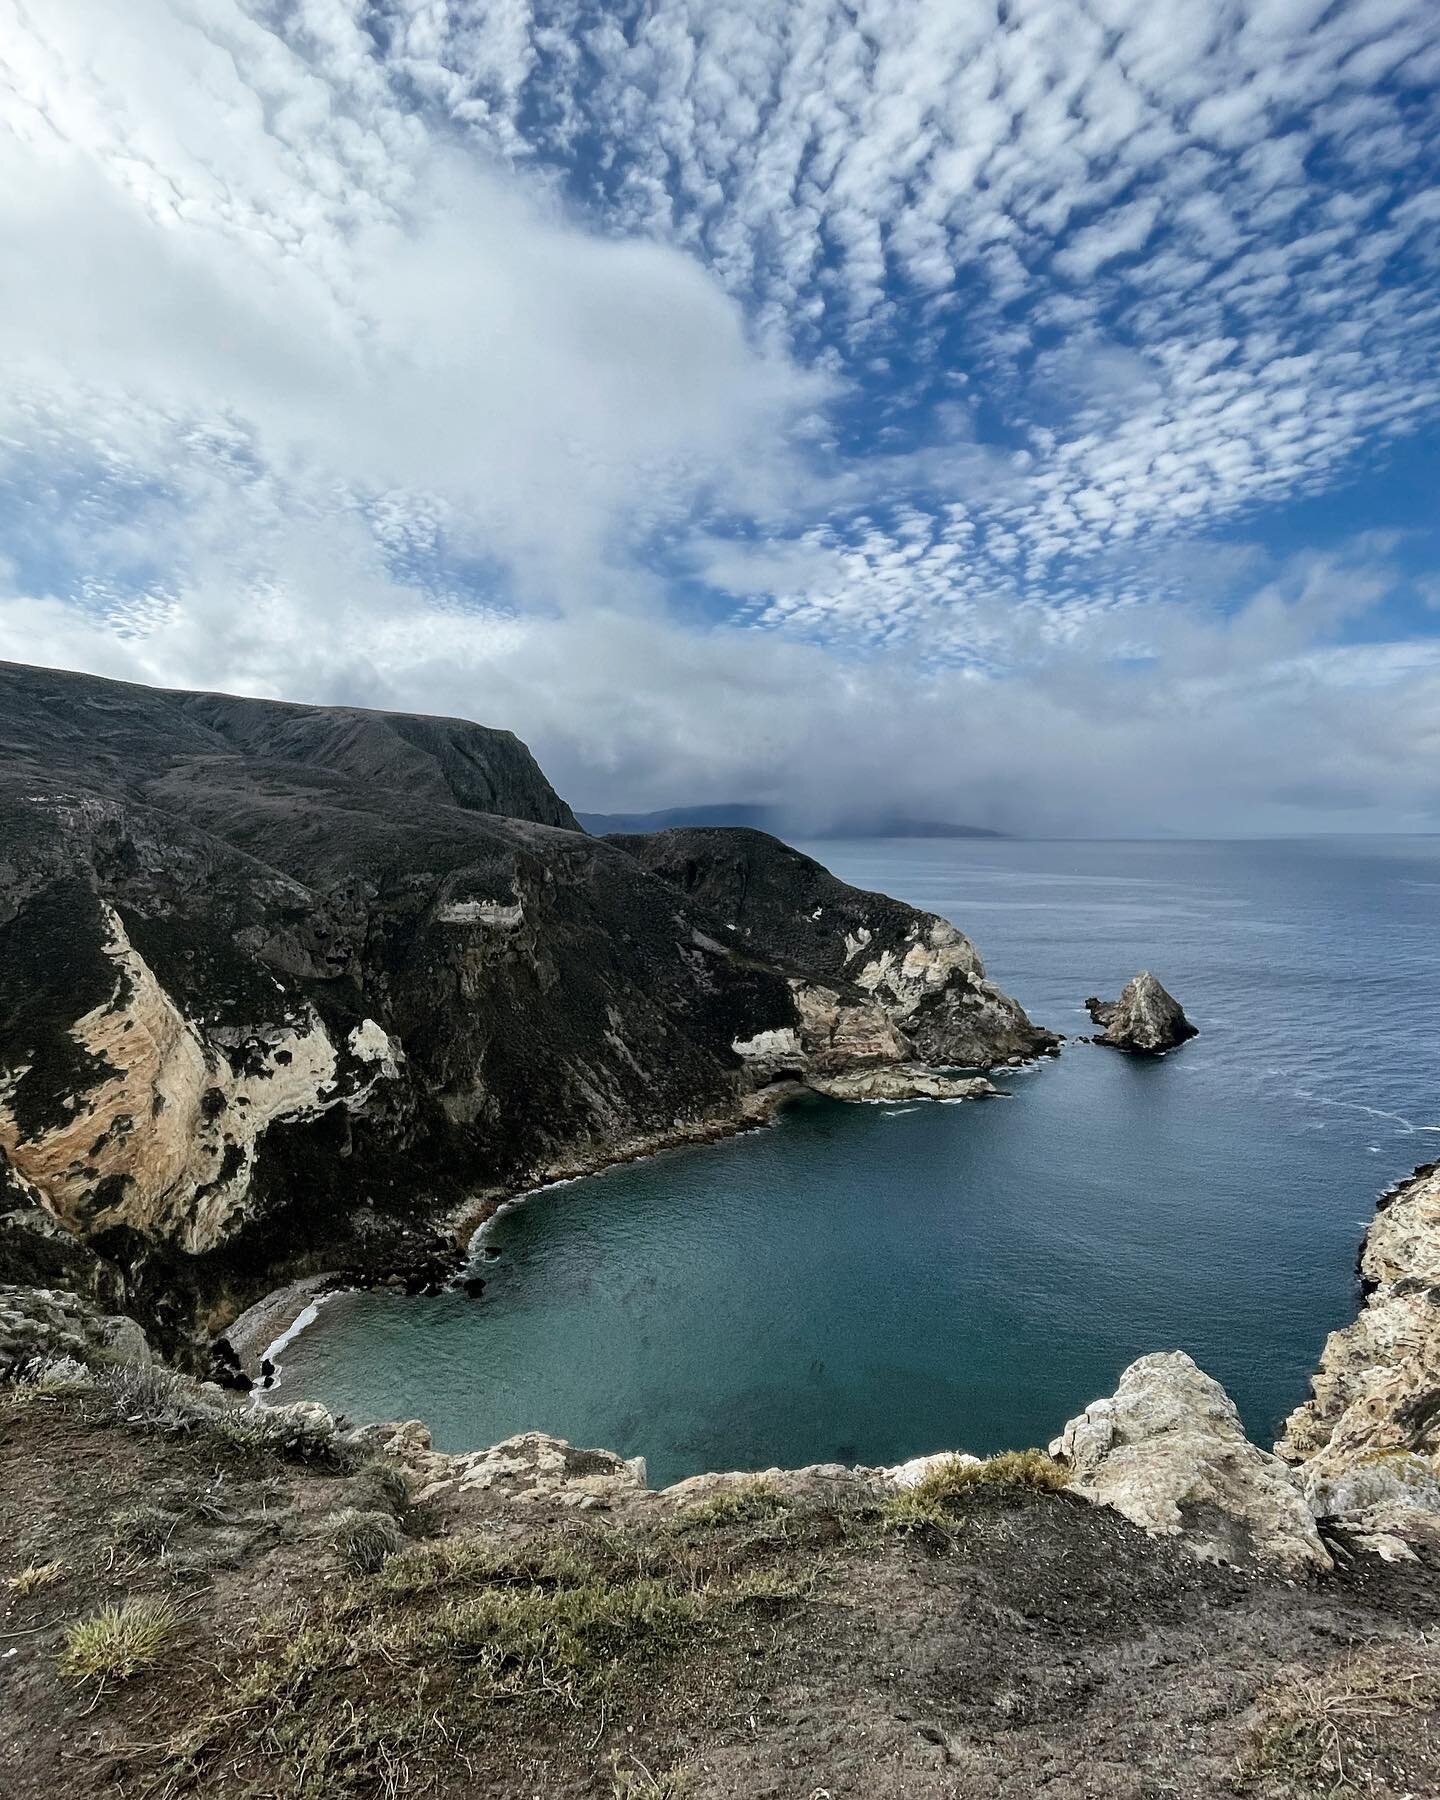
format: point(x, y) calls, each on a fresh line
point(532, 1468)
point(1367, 1442)
point(1145, 1020)
point(45, 1324)
point(1167, 1450)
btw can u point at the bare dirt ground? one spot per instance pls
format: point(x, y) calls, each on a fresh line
point(318, 1637)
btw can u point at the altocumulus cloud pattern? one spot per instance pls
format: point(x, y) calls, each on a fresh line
point(1036, 400)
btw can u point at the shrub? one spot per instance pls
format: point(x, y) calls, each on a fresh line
point(115, 1642)
point(147, 1399)
point(46, 1376)
point(925, 1506)
point(293, 1437)
point(156, 1399)
point(908, 1513)
point(366, 1540)
point(383, 1485)
point(739, 1504)
point(1012, 1468)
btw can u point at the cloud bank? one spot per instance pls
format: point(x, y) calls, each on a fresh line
point(947, 405)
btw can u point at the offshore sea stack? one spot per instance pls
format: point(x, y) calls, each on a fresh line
point(1145, 1021)
point(286, 987)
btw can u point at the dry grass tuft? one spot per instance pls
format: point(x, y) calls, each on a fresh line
point(1324, 1732)
point(743, 1503)
point(37, 1576)
point(366, 1540)
point(1031, 1469)
point(117, 1641)
point(926, 1507)
point(631, 1780)
point(379, 1679)
point(144, 1528)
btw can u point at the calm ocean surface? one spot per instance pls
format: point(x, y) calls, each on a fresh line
point(866, 1283)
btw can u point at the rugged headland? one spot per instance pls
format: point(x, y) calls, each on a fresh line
point(289, 988)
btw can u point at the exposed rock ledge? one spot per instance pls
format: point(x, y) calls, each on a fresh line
point(1367, 1443)
point(1166, 1451)
point(1145, 1020)
point(904, 1082)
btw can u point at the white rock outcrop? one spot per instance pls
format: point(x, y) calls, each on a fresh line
point(935, 952)
point(1367, 1442)
point(165, 1140)
point(903, 1081)
point(839, 1033)
point(532, 1469)
point(1167, 1450)
point(47, 1324)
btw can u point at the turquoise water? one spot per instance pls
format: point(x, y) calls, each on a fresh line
point(866, 1283)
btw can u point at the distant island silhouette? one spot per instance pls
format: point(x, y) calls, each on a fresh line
point(781, 822)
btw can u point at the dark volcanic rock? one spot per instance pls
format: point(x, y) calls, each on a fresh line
point(786, 908)
point(1145, 1020)
point(281, 987)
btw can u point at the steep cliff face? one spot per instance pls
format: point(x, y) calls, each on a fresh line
point(922, 975)
point(277, 991)
point(1367, 1442)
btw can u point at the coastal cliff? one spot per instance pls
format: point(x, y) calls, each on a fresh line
point(1367, 1442)
point(918, 971)
point(290, 988)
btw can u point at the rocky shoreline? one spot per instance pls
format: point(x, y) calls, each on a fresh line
point(1367, 1442)
point(831, 1606)
point(1359, 1460)
point(238, 1350)
point(1358, 1463)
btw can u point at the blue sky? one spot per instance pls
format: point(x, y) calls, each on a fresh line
point(1023, 412)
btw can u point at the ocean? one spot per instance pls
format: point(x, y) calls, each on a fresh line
point(868, 1283)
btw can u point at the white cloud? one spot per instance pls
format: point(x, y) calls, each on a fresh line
point(430, 351)
point(359, 306)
